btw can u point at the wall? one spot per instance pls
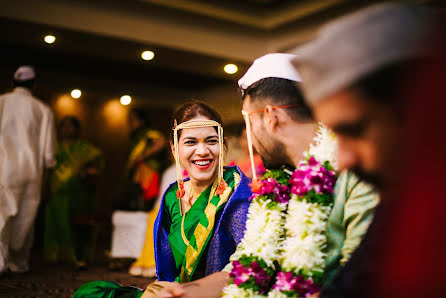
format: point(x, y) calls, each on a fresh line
point(226, 99)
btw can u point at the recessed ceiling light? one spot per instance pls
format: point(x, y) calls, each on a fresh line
point(147, 55)
point(76, 93)
point(125, 100)
point(230, 68)
point(49, 39)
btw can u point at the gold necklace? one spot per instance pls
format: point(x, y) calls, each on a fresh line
point(194, 193)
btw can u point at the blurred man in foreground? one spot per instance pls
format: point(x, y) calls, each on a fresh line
point(355, 76)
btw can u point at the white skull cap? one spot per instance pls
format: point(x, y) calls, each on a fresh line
point(275, 65)
point(24, 73)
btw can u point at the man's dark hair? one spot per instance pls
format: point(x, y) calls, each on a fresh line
point(280, 92)
point(192, 109)
point(27, 84)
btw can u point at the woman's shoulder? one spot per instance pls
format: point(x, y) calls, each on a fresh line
point(234, 173)
point(170, 203)
point(170, 195)
point(235, 178)
point(229, 172)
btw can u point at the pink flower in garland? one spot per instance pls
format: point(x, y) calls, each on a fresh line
point(261, 277)
point(285, 282)
point(288, 282)
point(268, 186)
point(312, 176)
point(241, 274)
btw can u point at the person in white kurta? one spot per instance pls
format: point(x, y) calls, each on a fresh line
point(27, 148)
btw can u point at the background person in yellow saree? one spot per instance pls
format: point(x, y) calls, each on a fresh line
point(145, 264)
point(146, 161)
point(69, 212)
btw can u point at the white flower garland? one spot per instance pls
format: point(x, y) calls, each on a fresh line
point(266, 228)
point(234, 291)
point(305, 224)
point(301, 246)
point(325, 146)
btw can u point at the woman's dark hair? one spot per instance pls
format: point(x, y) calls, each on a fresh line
point(74, 121)
point(280, 92)
point(192, 109)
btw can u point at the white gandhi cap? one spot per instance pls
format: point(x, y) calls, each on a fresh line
point(275, 65)
point(351, 47)
point(24, 73)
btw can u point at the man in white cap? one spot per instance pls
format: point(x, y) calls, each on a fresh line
point(354, 76)
point(282, 128)
point(27, 148)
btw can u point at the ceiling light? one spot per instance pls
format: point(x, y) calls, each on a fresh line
point(230, 68)
point(49, 39)
point(76, 93)
point(147, 55)
point(125, 100)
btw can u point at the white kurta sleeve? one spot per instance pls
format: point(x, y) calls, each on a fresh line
point(50, 142)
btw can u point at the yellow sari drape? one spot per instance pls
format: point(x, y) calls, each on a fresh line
point(147, 257)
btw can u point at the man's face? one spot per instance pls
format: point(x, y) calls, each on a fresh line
point(367, 133)
point(270, 149)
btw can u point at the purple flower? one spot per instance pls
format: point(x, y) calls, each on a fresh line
point(271, 186)
point(261, 277)
point(268, 186)
point(312, 162)
point(288, 282)
point(307, 287)
point(241, 274)
point(285, 282)
point(316, 179)
point(281, 193)
point(312, 176)
point(298, 187)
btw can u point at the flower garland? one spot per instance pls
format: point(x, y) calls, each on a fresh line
point(281, 254)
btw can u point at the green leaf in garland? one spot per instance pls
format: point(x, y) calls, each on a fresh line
point(279, 175)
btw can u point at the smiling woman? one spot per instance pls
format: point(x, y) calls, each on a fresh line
point(194, 207)
point(202, 218)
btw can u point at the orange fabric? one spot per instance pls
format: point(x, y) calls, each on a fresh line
point(149, 181)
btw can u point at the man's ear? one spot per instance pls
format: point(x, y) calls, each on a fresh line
point(270, 118)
